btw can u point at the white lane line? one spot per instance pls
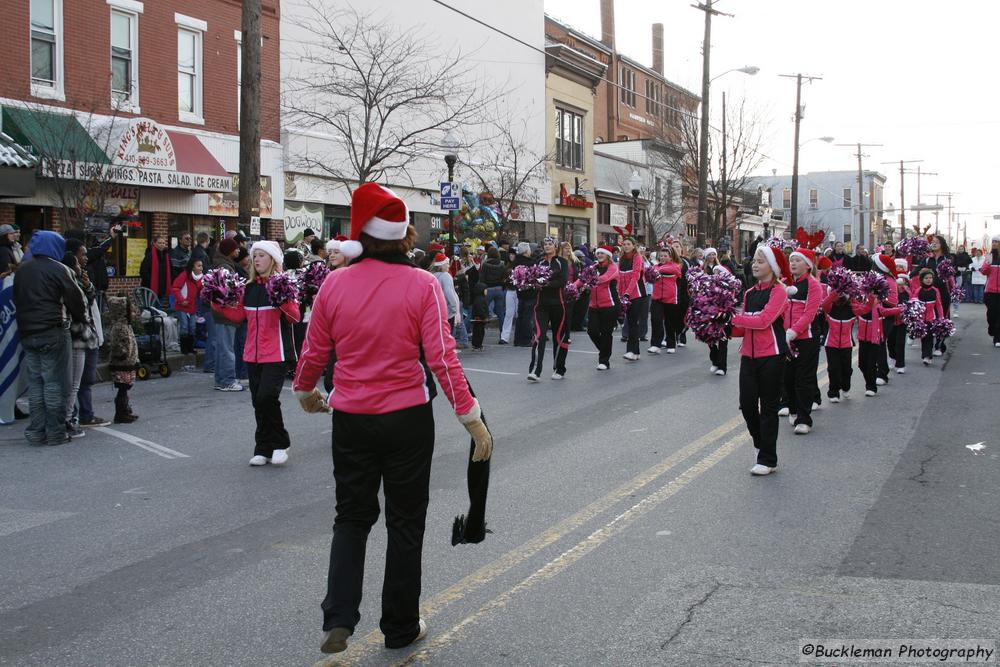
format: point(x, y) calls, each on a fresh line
point(583, 351)
point(483, 370)
point(151, 447)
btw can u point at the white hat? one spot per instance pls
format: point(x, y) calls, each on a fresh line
point(332, 245)
point(902, 265)
point(996, 237)
point(710, 251)
point(271, 248)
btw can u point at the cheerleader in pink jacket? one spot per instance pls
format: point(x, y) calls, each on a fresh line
point(839, 344)
point(805, 297)
point(931, 297)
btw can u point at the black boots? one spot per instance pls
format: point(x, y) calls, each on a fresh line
point(123, 408)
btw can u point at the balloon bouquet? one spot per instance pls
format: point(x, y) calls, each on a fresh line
point(478, 220)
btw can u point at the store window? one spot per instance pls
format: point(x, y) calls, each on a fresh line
point(127, 254)
point(178, 226)
point(30, 219)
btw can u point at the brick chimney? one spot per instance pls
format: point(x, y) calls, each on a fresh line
point(608, 23)
point(658, 48)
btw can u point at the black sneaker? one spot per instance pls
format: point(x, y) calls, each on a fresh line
point(74, 431)
point(20, 414)
point(95, 421)
point(502, 342)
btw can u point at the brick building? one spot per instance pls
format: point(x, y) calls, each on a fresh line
point(133, 109)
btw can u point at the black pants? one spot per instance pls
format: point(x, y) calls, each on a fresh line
point(882, 357)
point(927, 347)
point(600, 328)
point(897, 345)
point(719, 354)
point(266, 381)
point(838, 364)
point(478, 333)
point(992, 301)
point(760, 380)
point(800, 380)
point(867, 354)
point(525, 323)
point(394, 450)
point(550, 317)
point(668, 318)
point(580, 308)
point(637, 309)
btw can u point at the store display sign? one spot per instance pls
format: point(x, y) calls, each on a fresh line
point(228, 203)
point(299, 216)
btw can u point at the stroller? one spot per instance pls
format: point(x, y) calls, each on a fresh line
point(152, 346)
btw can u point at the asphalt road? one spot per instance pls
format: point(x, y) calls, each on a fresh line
point(627, 530)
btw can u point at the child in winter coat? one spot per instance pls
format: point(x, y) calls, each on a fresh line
point(480, 311)
point(839, 344)
point(123, 356)
point(186, 288)
point(931, 297)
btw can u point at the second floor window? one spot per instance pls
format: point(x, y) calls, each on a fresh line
point(626, 82)
point(123, 51)
point(652, 98)
point(44, 43)
point(786, 198)
point(813, 198)
point(847, 198)
point(189, 75)
point(569, 139)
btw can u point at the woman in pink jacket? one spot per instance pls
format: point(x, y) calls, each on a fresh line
point(604, 302)
point(718, 354)
point(666, 310)
point(991, 296)
point(383, 423)
point(804, 299)
point(763, 353)
point(631, 282)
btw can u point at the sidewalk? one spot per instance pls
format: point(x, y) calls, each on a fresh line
point(175, 360)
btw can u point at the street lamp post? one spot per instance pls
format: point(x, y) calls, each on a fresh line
point(451, 146)
point(634, 185)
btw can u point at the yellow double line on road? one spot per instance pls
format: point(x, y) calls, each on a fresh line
point(515, 557)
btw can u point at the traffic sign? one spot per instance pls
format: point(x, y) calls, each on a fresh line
point(450, 203)
point(449, 190)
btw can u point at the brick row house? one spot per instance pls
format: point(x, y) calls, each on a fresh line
point(132, 109)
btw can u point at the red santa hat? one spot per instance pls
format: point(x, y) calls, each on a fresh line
point(440, 261)
point(886, 264)
point(902, 264)
point(806, 255)
point(777, 261)
point(824, 263)
point(435, 247)
point(378, 212)
point(605, 250)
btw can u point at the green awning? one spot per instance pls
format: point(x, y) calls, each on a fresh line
point(52, 135)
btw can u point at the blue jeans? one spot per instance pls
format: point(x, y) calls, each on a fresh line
point(83, 396)
point(186, 322)
point(459, 331)
point(976, 293)
point(208, 362)
point(496, 298)
point(225, 355)
point(47, 357)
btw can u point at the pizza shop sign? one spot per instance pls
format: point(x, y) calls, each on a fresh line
point(145, 145)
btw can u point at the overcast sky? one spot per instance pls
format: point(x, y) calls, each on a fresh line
point(918, 76)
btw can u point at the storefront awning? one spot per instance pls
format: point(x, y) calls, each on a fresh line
point(129, 151)
point(17, 169)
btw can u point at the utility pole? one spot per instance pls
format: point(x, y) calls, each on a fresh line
point(861, 193)
point(919, 174)
point(902, 195)
point(706, 78)
point(250, 37)
point(794, 222)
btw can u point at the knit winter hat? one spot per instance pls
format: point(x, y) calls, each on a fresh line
point(227, 247)
point(271, 248)
point(378, 212)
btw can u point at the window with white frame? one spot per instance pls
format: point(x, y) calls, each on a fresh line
point(124, 58)
point(847, 234)
point(847, 198)
point(46, 48)
point(569, 139)
point(786, 198)
point(189, 72)
point(813, 198)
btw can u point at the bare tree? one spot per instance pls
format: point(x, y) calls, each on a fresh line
point(383, 95)
point(747, 130)
point(506, 165)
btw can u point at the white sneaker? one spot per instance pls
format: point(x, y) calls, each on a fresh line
point(835, 399)
point(901, 371)
point(892, 363)
point(783, 412)
point(927, 361)
point(532, 377)
point(236, 386)
point(938, 353)
point(279, 456)
point(653, 350)
point(258, 460)
point(602, 367)
point(791, 419)
point(816, 406)
point(671, 350)
point(869, 393)
point(713, 368)
point(557, 376)
point(844, 396)
point(720, 372)
point(423, 630)
point(685, 345)
point(879, 381)
point(760, 470)
point(996, 344)
point(802, 429)
point(631, 356)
